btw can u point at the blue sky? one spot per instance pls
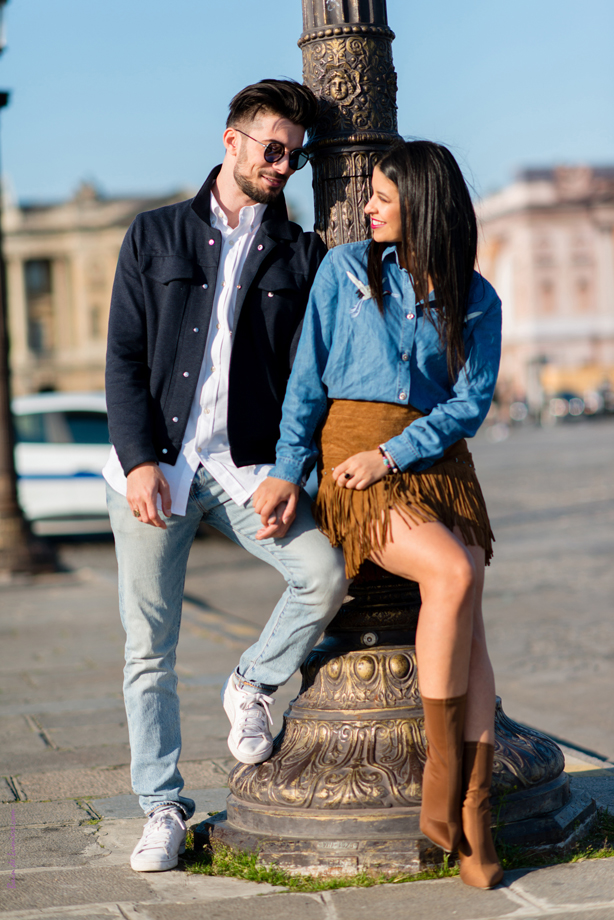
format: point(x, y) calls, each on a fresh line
point(133, 94)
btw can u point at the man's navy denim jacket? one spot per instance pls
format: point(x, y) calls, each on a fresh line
point(348, 350)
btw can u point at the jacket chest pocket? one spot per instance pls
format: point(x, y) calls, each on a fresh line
point(279, 285)
point(168, 269)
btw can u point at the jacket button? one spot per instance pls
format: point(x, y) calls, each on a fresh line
point(164, 450)
point(175, 419)
point(205, 286)
point(405, 357)
point(402, 395)
point(239, 286)
point(195, 329)
point(410, 316)
point(270, 294)
point(212, 242)
point(260, 247)
point(186, 373)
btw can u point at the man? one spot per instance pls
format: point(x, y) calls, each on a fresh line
point(205, 318)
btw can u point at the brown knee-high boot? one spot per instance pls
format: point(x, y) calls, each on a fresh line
point(479, 865)
point(440, 815)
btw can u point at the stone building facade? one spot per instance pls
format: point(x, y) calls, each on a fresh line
point(60, 261)
point(547, 245)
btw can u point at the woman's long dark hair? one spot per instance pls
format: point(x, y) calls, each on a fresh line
point(439, 237)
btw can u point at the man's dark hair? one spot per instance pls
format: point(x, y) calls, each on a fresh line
point(287, 98)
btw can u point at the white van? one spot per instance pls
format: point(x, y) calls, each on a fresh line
point(62, 444)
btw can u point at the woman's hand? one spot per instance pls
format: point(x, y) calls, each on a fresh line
point(361, 470)
point(275, 501)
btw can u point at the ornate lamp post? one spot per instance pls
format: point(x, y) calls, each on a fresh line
point(18, 551)
point(341, 792)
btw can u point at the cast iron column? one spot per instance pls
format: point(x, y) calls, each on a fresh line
point(341, 792)
point(347, 62)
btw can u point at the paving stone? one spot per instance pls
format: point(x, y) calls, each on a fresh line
point(74, 886)
point(569, 885)
point(265, 907)
point(27, 814)
point(127, 806)
point(60, 784)
point(84, 736)
point(445, 898)
point(6, 793)
point(49, 760)
point(604, 913)
point(17, 737)
point(182, 886)
point(38, 847)
point(597, 783)
point(74, 783)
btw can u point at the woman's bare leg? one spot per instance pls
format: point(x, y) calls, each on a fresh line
point(450, 639)
point(480, 713)
point(446, 572)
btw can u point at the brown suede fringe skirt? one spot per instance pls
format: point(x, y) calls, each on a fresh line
point(359, 521)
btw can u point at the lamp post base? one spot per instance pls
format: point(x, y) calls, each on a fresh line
point(341, 791)
point(347, 843)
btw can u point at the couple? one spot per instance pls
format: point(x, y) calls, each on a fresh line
point(395, 364)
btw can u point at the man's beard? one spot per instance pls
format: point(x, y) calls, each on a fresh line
point(261, 195)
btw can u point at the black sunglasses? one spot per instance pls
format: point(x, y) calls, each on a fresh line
point(274, 151)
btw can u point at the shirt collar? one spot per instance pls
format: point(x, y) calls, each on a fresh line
point(250, 217)
point(391, 252)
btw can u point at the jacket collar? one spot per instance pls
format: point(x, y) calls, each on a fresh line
point(275, 220)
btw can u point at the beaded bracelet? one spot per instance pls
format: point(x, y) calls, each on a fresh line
point(388, 460)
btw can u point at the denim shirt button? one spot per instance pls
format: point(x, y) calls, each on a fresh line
point(410, 316)
point(405, 356)
point(402, 395)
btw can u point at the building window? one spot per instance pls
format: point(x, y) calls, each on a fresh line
point(583, 295)
point(547, 300)
point(39, 305)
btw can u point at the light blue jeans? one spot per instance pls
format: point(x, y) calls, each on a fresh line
point(152, 565)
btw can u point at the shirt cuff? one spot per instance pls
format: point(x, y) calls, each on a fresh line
point(288, 470)
point(403, 454)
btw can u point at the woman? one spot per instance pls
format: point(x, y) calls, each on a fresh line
point(396, 365)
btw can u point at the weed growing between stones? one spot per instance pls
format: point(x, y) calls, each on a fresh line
point(597, 844)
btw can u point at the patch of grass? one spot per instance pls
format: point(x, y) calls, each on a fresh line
point(236, 864)
point(223, 861)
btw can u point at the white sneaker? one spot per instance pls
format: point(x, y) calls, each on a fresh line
point(162, 841)
point(250, 740)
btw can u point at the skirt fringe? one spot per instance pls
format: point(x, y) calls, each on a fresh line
point(359, 521)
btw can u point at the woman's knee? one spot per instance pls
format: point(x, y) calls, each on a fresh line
point(456, 574)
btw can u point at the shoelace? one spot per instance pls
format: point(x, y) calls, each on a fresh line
point(256, 710)
point(158, 831)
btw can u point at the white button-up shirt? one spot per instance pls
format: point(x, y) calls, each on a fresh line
point(206, 436)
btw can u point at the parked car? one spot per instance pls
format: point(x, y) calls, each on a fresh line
point(62, 443)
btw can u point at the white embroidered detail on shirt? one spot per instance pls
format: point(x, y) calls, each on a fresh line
point(473, 315)
point(364, 289)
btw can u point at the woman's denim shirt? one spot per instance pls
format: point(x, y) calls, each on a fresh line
point(348, 350)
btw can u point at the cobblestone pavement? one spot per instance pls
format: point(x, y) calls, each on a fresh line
point(549, 595)
point(63, 741)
